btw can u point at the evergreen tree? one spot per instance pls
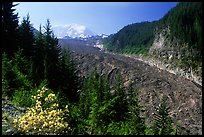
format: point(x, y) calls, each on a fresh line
point(51, 57)
point(96, 111)
point(68, 81)
point(53, 64)
point(162, 122)
point(26, 37)
point(89, 84)
point(121, 107)
point(136, 121)
point(9, 28)
point(38, 58)
point(15, 73)
point(6, 69)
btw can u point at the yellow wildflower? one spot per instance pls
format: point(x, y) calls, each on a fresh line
point(15, 120)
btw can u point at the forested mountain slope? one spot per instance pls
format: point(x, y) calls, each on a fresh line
point(50, 90)
point(175, 40)
point(134, 38)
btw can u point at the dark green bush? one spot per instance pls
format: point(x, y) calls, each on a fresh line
point(15, 73)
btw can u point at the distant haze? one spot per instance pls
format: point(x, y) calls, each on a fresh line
point(100, 17)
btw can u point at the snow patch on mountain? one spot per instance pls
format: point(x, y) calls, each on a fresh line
point(73, 31)
point(103, 35)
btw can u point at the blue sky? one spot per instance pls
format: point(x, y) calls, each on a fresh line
point(100, 17)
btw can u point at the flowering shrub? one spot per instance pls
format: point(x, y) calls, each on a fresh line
point(44, 117)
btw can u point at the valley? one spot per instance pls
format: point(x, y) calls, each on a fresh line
point(137, 77)
point(184, 96)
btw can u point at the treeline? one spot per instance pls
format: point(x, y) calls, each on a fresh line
point(135, 38)
point(37, 57)
point(40, 76)
point(185, 24)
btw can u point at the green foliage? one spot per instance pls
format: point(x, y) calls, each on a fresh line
point(68, 81)
point(137, 122)
point(44, 117)
point(54, 64)
point(22, 98)
point(105, 113)
point(136, 50)
point(119, 128)
point(14, 73)
point(6, 68)
point(99, 113)
point(121, 106)
point(22, 63)
point(75, 119)
point(20, 69)
point(94, 85)
point(51, 55)
point(38, 58)
point(163, 123)
point(96, 104)
point(185, 22)
point(9, 28)
point(26, 37)
point(134, 38)
point(94, 108)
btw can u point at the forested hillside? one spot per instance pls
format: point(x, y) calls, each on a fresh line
point(185, 24)
point(135, 38)
point(43, 95)
point(175, 39)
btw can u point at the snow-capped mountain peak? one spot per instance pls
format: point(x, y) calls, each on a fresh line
point(72, 30)
point(103, 35)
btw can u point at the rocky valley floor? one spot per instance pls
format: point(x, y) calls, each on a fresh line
point(184, 96)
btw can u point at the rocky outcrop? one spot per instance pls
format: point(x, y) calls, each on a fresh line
point(167, 54)
point(184, 96)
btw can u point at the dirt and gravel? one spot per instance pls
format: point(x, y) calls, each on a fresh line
point(184, 96)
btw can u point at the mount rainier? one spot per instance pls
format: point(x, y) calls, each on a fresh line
point(73, 31)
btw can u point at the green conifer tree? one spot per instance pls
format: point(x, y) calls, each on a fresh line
point(96, 108)
point(51, 57)
point(26, 37)
point(162, 122)
point(68, 81)
point(136, 121)
point(38, 58)
point(121, 106)
point(9, 28)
